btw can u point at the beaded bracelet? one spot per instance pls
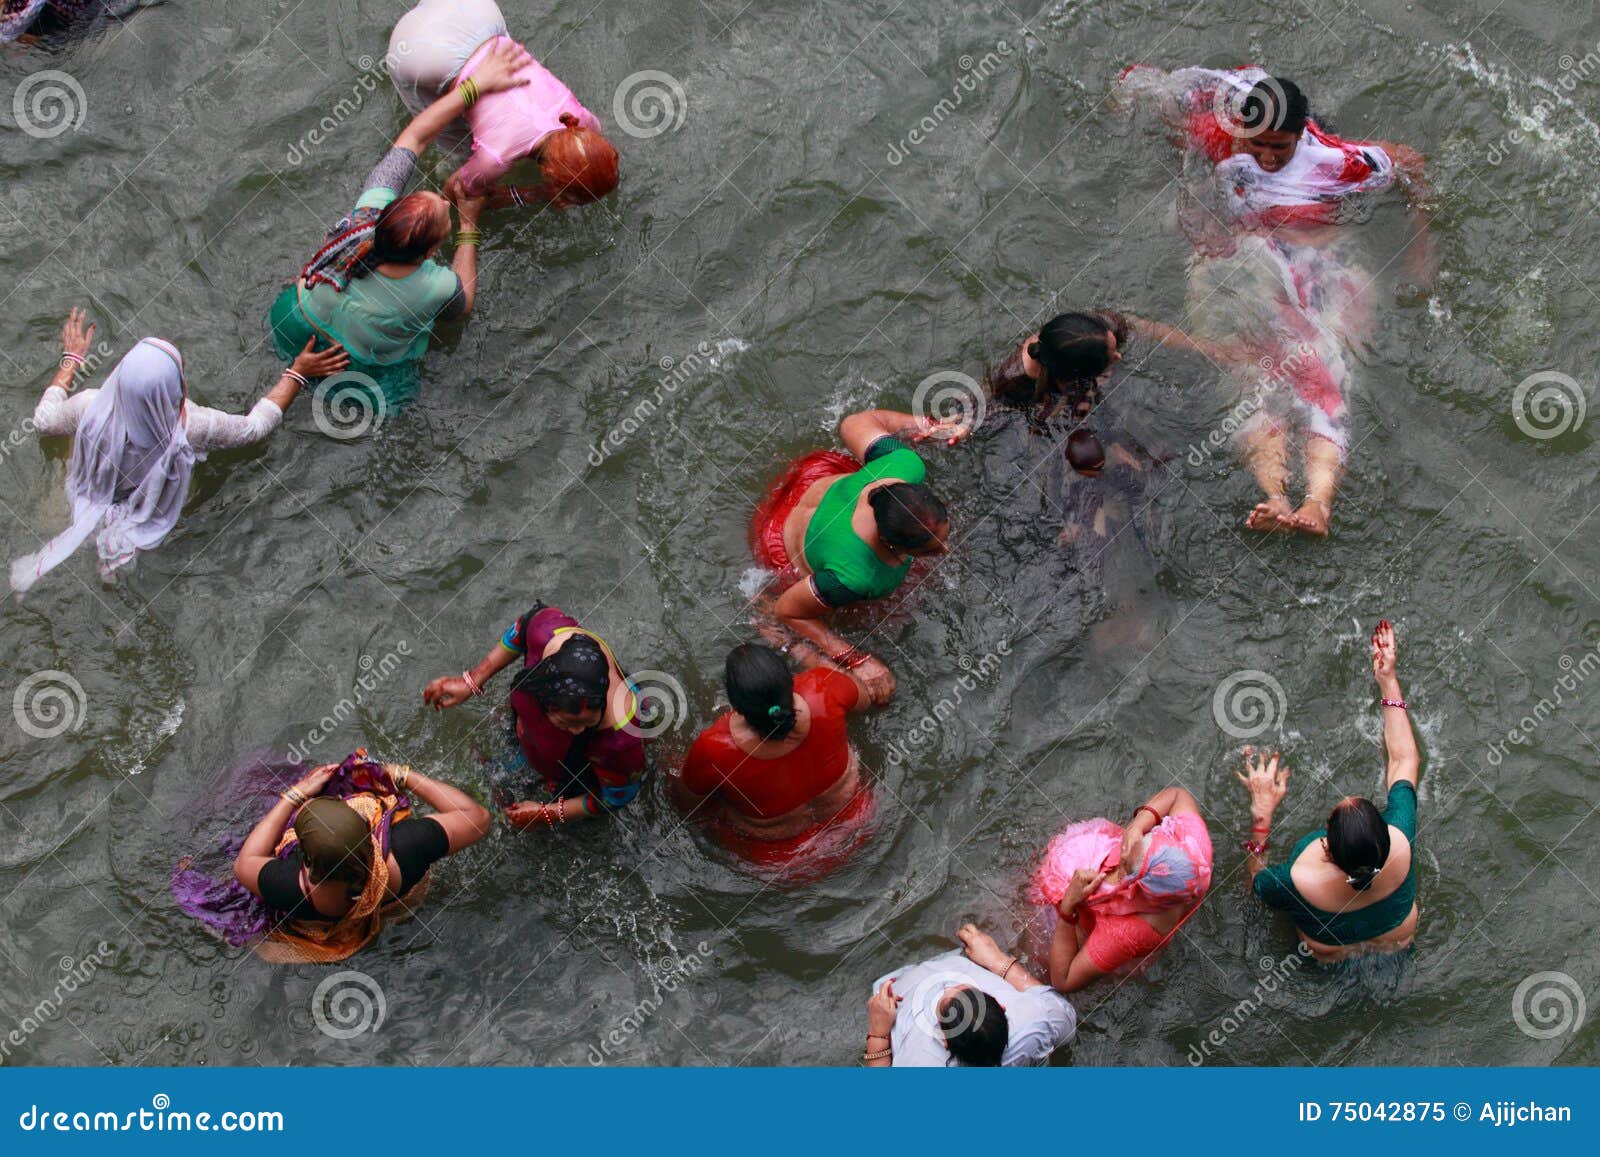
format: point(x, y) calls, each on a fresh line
point(469, 92)
point(293, 796)
point(881, 1054)
point(1400, 703)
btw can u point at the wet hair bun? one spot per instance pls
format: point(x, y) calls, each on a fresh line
point(568, 119)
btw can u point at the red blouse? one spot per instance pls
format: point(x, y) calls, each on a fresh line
point(767, 788)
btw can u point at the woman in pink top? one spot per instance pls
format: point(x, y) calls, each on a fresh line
point(441, 43)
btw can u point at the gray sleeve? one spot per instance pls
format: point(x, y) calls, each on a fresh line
point(393, 172)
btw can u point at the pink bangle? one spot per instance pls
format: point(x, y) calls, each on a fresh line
point(1400, 703)
point(472, 684)
point(75, 359)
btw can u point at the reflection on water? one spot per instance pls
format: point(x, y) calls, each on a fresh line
point(769, 229)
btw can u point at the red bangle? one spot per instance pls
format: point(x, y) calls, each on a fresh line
point(1255, 847)
point(1072, 919)
point(1144, 807)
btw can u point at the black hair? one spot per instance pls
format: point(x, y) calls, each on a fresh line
point(1358, 841)
point(573, 680)
point(974, 1027)
point(761, 689)
point(1073, 350)
point(907, 514)
point(1274, 105)
point(1084, 452)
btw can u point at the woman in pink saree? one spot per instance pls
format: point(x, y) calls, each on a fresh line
point(1111, 897)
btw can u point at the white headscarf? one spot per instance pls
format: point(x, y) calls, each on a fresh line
point(131, 463)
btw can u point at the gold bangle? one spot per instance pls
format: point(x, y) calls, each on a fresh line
point(881, 1054)
point(293, 796)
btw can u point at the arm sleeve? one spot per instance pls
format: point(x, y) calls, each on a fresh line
point(1401, 810)
point(392, 174)
point(58, 412)
point(457, 305)
point(618, 762)
point(416, 845)
point(216, 430)
point(480, 172)
point(699, 769)
point(1273, 888)
point(886, 444)
point(831, 591)
point(279, 885)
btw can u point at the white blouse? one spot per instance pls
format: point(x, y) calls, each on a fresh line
point(59, 413)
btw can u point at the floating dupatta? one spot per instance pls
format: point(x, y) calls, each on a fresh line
point(1175, 871)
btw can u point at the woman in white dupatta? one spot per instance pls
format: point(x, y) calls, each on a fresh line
point(137, 440)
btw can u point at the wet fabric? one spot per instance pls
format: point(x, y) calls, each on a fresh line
point(1275, 886)
point(1175, 872)
point(131, 466)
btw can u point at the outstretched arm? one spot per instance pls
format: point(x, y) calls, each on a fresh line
point(860, 431)
point(1399, 740)
point(465, 821)
point(452, 690)
point(799, 609)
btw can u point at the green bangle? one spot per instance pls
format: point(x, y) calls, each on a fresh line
point(469, 91)
point(469, 237)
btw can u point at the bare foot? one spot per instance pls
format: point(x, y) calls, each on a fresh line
point(1274, 516)
point(981, 948)
point(1313, 518)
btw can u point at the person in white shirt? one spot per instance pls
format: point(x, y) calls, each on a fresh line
point(976, 1007)
point(137, 439)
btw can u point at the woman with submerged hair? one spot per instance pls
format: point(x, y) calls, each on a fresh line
point(1064, 363)
point(847, 528)
point(779, 772)
point(1352, 887)
point(575, 713)
point(340, 853)
point(541, 126)
point(374, 287)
